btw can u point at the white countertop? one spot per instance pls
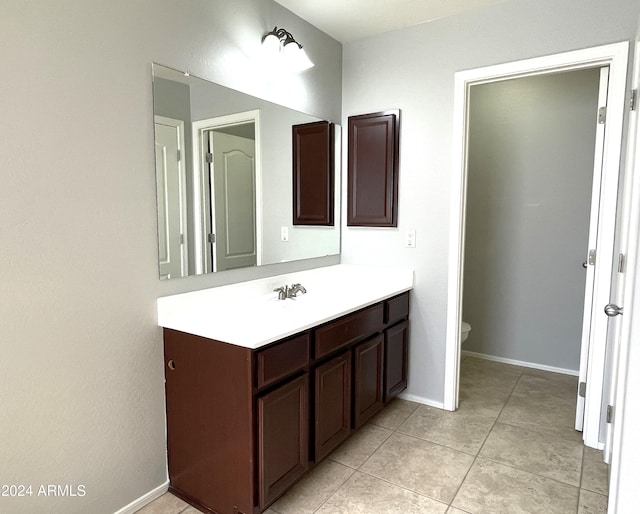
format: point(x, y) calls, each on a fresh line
point(249, 314)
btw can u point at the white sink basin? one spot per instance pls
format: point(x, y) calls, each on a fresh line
point(250, 314)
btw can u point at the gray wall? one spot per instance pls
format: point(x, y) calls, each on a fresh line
point(82, 387)
point(530, 170)
point(413, 69)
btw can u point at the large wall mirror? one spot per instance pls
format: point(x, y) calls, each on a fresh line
point(225, 181)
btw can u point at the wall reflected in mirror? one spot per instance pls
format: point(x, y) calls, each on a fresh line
point(224, 176)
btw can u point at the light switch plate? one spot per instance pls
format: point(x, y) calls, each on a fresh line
point(284, 233)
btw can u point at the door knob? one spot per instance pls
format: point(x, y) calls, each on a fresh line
point(612, 310)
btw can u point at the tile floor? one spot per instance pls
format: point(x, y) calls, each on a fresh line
point(510, 448)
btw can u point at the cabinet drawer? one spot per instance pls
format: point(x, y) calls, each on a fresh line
point(396, 309)
point(282, 360)
point(346, 330)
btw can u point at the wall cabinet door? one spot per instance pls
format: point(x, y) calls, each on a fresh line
point(332, 404)
point(368, 379)
point(373, 166)
point(313, 173)
point(283, 438)
point(395, 357)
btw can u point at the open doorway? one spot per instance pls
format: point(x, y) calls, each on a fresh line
point(228, 191)
point(615, 57)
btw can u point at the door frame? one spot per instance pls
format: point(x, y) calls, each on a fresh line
point(615, 56)
point(200, 180)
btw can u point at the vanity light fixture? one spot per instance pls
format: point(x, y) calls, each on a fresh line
point(280, 44)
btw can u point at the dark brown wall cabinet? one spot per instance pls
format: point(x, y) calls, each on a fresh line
point(244, 425)
point(373, 166)
point(313, 173)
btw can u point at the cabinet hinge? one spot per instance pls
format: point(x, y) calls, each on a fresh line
point(208, 157)
point(633, 100)
point(582, 389)
point(609, 413)
point(602, 115)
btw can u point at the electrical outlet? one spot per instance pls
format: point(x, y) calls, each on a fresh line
point(410, 241)
point(284, 233)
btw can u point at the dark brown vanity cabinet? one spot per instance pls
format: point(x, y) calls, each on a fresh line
point(332, 420)
point(373, 167)
point(283, 438)
point(313, 173)
point(368, 379)
point(244, 425)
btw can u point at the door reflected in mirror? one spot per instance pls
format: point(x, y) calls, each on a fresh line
point(224, 174)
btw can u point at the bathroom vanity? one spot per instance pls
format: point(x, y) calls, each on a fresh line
point(248, 416)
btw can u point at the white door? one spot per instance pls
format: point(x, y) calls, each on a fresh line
point(591, 255)
point(619, 325)
point(234, 201)
point(170, 184)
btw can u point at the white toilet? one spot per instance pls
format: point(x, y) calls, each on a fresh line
point(464, 332)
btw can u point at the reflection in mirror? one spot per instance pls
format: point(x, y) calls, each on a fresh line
point(224, 175)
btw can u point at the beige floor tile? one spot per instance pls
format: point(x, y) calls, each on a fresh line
point(549, 456)
point(595, 473)
point(486, 402)
point(563, 386)
point(364, 494)
point(419, 466)
point(314, 489)
point(490, 366)
point(592, 503)
point(458, 430)
point(360, 446)
point(485, 373)
point(492, 488)
point(394, 414)
point(453, 510)
point(166, 504)
point(540, 411)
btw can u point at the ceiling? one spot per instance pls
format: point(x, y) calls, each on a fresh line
point(348, 20)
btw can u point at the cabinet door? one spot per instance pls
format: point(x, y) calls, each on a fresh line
point(373, 169)
point(395, 359)
point(283, 438)
point(368, 379)
point(332, 404)
point(313, 172)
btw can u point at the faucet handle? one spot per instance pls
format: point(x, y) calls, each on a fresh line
point(282, 292)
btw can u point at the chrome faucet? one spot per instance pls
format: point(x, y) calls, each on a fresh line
point(291, 291)
point(295, 289)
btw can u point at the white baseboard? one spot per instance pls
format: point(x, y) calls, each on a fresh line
point(145, 499)
point(420, 399)
point(543, 367)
